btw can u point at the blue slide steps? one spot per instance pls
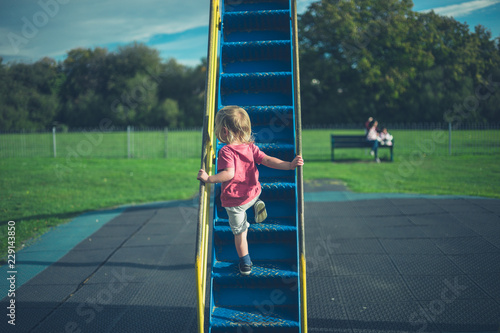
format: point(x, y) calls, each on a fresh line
point(256, 73)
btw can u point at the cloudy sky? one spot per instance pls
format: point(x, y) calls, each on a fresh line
point(33, 29)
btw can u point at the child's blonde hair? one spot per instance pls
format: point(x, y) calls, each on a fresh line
point(237, 123)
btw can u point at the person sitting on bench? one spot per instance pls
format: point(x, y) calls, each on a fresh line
point(372, 137)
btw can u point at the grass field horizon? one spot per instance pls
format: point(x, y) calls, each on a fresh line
point(41, 193)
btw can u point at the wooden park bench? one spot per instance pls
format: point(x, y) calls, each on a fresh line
point(354, 141)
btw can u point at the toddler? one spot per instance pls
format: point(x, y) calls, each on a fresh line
point(385, 138)
point(237, 171)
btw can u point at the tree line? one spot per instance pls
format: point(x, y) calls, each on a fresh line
point(358, 59)
point(131, 86)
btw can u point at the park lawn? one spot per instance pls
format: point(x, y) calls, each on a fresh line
point(40, 193)
point(477, 175)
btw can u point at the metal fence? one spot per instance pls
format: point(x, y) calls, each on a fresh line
point(127, 142)
point(437, 139)
point(430, 139)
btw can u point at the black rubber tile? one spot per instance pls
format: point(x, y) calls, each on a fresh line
point(419, 264)
point(175, 217)
point(157, 319)
point(372, 289)
point(370, 203)
point(493, 205)
point(99, 243)
point(324, 324)
point(484, 228)
point(411, 201)
point(158, 229)
point(143, 294)
point(450, 201)
point(314, 234)
point(445, 288)
point(387, 317)
point(117, 230)
point(422, 209)
point(84, 317)
point(480, 315)
point(179, 254)
point(327, 210)
point(187, 215)
point(473, 218)
point(185, 236)
point(141, 240)
point(319, 265)
point(135, 273)
point(327, 317)
point(354, 246)
point(168, 259)
point(410, 231)
point(389, 221)
point(145, 255)
point(343, 221)
point(348, 232)
point(461, 206)
point(410, 246)
point(114, 293)
point(133, 217)
point(478, 263)
point(363, 264)
point(448, 230)
point(434, 219)
point(74, 268)
point(322, 246)
point(378, 211)
point(322, 290)
point(27, 316)
point(43, 295)
point(493, 240)
point(489, 282)
point(312, 222)
point(465, 245)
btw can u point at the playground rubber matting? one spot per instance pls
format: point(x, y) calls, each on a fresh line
point(375, 263)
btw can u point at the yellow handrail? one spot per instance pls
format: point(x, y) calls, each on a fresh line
point(207, 158)
point(300, 190)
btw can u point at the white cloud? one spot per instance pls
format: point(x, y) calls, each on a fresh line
point(90, 23)
point(463, 9)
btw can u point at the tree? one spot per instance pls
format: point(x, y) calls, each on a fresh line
point(379, 58)
point(29, 95)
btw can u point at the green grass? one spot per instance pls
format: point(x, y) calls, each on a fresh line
point(422, 163)
point(40, 193)
point(461, 175)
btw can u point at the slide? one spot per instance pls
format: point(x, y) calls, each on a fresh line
point(253, 63)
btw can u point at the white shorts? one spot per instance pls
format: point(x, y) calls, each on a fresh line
point(238, 216)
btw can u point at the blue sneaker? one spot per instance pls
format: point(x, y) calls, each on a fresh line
point(245, 269)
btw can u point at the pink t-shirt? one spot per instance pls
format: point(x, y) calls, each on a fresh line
point(245, 184)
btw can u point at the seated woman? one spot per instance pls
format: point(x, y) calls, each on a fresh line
point(372, 137)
